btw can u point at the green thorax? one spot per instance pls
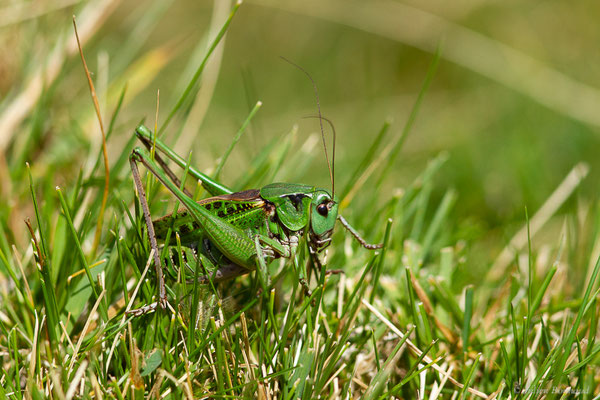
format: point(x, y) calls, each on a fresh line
point(296, 206)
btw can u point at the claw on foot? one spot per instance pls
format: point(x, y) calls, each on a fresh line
point(163, 303)
point(143, 310)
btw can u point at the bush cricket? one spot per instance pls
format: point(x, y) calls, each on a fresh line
point(236, 233)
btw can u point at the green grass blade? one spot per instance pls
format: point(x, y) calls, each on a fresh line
point(236, 139)
point(188, 90)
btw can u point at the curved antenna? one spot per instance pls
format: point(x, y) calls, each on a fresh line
point(332, 171)
point(329, 164)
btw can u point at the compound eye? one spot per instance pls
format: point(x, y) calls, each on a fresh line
point(322, 209)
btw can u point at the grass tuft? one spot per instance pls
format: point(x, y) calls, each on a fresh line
point(455, 304)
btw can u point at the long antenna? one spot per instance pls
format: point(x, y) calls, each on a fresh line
point(333, 152)
point(329, 164)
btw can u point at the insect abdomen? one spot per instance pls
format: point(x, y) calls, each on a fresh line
point(242, 213)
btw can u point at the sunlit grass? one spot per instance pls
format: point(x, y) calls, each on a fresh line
point(433, 314)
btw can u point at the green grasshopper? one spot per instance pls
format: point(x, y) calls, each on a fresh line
point(234, 232)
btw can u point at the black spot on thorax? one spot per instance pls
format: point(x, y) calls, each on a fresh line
point(296, 200)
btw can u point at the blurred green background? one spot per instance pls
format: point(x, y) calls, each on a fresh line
point(514, 102)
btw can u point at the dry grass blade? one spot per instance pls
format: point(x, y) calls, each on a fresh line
point(422, 295)
point(104, 152)
point(34, 346)
point(415, 350)
point(25, 281)
point(20, 107)
point(23, 11)
point(519, 240)
point(209, 78)
point(487, 139)
point(85, 329)
point(76, 380)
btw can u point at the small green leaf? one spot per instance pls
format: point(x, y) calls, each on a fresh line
point(151, 362)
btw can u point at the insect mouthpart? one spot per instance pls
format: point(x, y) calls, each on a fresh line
point(318, 243)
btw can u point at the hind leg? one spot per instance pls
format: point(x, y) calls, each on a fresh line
point(223, 273)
